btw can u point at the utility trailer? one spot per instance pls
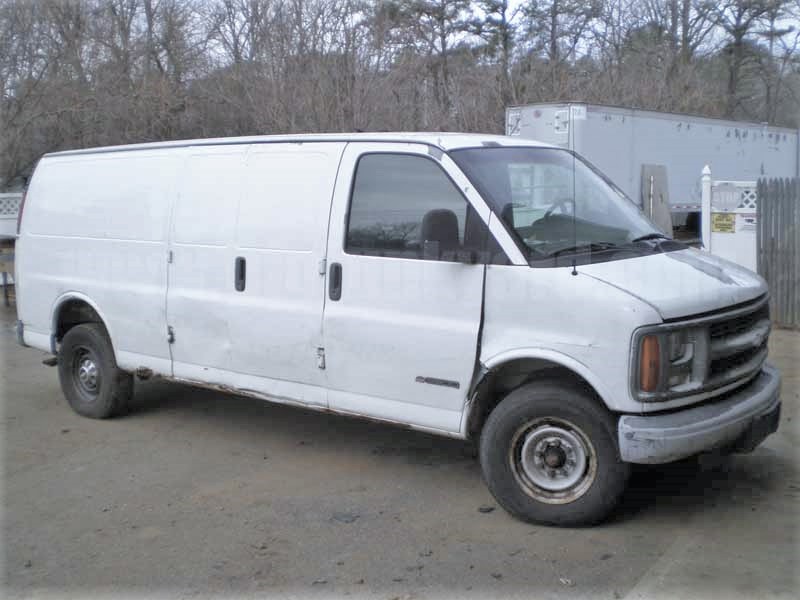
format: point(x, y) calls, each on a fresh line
point(635, 148)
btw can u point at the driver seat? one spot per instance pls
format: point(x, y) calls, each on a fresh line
point(439, 232)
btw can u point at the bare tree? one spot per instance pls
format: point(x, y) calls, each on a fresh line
point(782, 36)
point(739, 20)
point(557, 28)
point(498, 30)
point(435, 26)
point(76, 73)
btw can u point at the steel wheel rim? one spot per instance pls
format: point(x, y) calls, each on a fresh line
point(552, 460)
point(86, 373)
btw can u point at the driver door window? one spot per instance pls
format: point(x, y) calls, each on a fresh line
point(405, 206)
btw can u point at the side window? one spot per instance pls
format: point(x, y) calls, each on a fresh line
point(405, 206)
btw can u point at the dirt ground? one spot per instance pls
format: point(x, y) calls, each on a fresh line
point(197, 494)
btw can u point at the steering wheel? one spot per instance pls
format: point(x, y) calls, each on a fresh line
point(560, 203)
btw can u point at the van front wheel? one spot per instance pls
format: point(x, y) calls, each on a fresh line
point(90, 379)
point(549, 455)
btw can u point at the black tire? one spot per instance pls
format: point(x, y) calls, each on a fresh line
point(555, 423)
point(91, 381)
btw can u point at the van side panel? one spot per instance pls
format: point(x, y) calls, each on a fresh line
point(95, 227)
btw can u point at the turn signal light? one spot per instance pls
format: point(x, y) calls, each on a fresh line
point(649, 364)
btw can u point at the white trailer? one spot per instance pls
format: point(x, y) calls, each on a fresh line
point(627, 144)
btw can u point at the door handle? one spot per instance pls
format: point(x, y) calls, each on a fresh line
point(240, 274)
point(335, 282)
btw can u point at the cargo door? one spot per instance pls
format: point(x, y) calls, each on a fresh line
point(277, 274)
point(247, 276)
point(201, 256)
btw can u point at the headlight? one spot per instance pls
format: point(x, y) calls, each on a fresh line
point(678, 344)
point(668, 361)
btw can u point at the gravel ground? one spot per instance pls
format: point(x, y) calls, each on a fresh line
point(198, 494)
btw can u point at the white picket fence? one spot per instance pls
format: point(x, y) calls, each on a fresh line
point(9, 210)
point(729, 219)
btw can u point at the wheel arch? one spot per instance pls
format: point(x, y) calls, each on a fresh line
point(71, 309)
point(504, 372)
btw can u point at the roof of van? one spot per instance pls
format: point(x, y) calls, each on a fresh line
point(441, 140)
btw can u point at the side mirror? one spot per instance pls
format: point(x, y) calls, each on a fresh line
point(430, 250)
point(467, 257)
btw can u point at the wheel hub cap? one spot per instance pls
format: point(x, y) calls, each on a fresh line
point(87, 374)
point(553, 458)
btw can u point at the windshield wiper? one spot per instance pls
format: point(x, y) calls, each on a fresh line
point(590, 247)
point(650, 236)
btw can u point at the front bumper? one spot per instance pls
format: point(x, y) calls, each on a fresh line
point(742, 420)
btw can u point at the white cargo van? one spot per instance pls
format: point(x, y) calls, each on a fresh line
point(472, 286)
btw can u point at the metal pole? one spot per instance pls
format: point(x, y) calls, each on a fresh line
point(705, 208)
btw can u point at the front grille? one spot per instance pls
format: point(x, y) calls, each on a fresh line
point(739, 324)
point(721, 366)
point(738, 345)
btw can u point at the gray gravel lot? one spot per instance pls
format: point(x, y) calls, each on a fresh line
point(199, 494)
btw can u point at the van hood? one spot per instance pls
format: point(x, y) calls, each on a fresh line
point(681, 283)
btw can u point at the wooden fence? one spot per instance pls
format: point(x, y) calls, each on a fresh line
point(778, 247)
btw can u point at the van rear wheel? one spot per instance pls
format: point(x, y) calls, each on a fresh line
point(90, 379)
point(549, 455)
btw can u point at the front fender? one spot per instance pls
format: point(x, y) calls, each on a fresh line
point(553, 356)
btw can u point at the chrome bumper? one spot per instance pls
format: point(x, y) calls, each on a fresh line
point(741, 421)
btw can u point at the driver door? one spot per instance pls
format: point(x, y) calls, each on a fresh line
point(403, 303)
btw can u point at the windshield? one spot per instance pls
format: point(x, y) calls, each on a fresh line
point(558, 205)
